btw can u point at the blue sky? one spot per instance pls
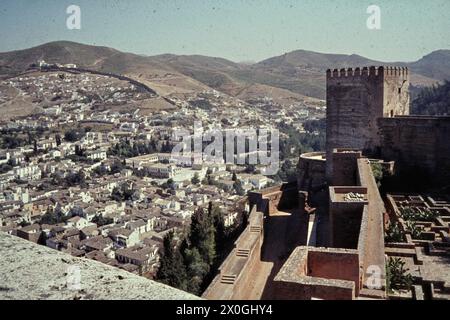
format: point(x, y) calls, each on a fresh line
point(239, 30)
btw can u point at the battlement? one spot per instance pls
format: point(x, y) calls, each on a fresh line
point(368, 72)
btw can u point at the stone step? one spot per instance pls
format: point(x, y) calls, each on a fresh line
point(228, 279)
point(243, 253)
point(372, 294)
point(446, 287)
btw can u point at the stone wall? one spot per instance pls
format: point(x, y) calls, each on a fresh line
point(368, 110)
point(311, 170)
point(356, 227)
point(372, 227)
point(356, 99)
point(273, 199)
point(344, 164)
point(417, 143)
point(320, 273)
point(32, 272)
point(238, 269)
point(346, 217)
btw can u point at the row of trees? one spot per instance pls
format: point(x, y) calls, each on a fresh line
point(189, 263)
point(14, 138)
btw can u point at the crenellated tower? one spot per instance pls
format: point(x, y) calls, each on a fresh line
point(356, 99)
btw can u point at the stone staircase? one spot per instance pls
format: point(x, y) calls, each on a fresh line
point(228, 278)
point(243, 253)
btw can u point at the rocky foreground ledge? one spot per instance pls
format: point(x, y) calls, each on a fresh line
point(32, 272)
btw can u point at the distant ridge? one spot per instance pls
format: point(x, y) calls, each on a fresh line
point(300, 72)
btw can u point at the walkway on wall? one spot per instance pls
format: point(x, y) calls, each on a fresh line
point(278, 245)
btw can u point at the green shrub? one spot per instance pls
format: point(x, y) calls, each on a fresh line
point(415, 230)
point(410, 214)
point(397, 276)
point(394, 233)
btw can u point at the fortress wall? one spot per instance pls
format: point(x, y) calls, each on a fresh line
point(311, 170)
point(342, 272)
point(345, 223)
point(344, 164)
point(356, 99)
point(319, 289)
point(240, 267)
point(334, 265)
point(417, 143)
point(396, 92)
point(243, 269)
point(272, 199)
point(371, 241)
point(354, 102)
point(323, 273)
point(247, 275)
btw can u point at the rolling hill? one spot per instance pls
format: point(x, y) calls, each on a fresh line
point(289, 76)
point(301, 72)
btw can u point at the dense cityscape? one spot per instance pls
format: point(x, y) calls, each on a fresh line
point(215, 158)
point(93, 176)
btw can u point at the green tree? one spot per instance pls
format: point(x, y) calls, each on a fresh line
point(200, 249)
point(74, 135)
point(116, 167)
point(377, 170)
point(202, 235)
point(195, 179)
point(102, 221)
point(172, 270)
point(53, 217)
point(116, 195)
point(197, 270)
point(75, 179)
point(58, 139)
point(250, 168)
point(219, 225)
point(238, 188)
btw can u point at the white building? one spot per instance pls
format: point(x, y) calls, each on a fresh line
point(78, 223)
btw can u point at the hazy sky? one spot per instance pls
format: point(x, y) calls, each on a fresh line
point(240, 30)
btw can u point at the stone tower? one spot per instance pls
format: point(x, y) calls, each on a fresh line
point(356, 99)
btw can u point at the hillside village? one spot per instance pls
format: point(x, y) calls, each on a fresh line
point(93, 176)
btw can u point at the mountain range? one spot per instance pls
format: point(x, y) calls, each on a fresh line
point(296, 75)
